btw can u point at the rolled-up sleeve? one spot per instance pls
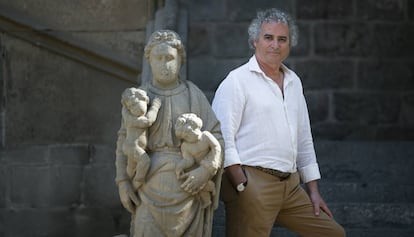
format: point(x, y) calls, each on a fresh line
point(307, 164)
point(228, 107)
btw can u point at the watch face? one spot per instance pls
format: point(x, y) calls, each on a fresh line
point(240, 187)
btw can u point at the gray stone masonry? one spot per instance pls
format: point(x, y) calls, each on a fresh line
point(59, 116)
point(355, 59)
point(69, 190)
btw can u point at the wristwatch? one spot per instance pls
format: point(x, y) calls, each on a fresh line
point(241, 187)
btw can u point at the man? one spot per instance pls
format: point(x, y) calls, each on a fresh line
point(268, 141)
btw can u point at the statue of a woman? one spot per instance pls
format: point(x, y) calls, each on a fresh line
point(165, 205)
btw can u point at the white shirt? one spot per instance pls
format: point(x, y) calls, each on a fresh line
point(260, 126)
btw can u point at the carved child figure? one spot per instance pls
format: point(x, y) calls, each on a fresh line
point(199, 147)
point(137, 120)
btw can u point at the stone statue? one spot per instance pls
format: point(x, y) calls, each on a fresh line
point(199, 147)
point(137, 121)
point(174, 199)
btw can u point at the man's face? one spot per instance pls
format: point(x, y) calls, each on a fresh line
point(272, 46)
point(165, 64)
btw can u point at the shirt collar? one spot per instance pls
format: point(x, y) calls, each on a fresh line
point(254, 67)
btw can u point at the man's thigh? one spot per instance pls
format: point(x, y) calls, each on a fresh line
point(297, 215)
point(253, 211)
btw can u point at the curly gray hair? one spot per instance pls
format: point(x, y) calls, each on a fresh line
point(269, 15)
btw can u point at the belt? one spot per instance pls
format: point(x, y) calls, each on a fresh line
point(277, 173)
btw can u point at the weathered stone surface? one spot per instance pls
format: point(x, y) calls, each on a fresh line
point(380, 10)
point(343, 39)
point(78, 15)
point(202, 10)
point(324, 9)
point(325, 74)
point(200, 37)
point(65, 105)
point(396, 45)
point(69, 154)
point(245, 10)
point(3, 186)
point(367, 108)
point(386, 76)
point(212, 71)
point(34, 186)
point(99, 188)
point(230, 47)
point(303, 48)
point(318, 107)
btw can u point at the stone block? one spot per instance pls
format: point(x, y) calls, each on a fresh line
point(318, 106)
point(26, 155)
point(100, 189)
point(366, 162)
point(103, 154)
point(101, 221)
point(235, 46)
point(325, 74)
point(42, 93)
point(365, 192)
point(2, 221)
point(125, 45)
point(207, 73)
point(78, 15)
point(303, 47)
point(3, 188)
point(39, 222)
point(200, 39)
point(43, 186)
point(410, 9)
point(65, 186)
point(324, 9)
point(386, 76)
point(331, 130)
point(380, 9)
point(376, 232)
point(206, 10)
point(368, 215)
point(69, 154)
point(398, 44)
point(245, 10)
point(408, 110)
point(367, 108)
point(342, 39)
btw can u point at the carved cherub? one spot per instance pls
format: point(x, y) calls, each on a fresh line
point(137, 119)
point(198, 147)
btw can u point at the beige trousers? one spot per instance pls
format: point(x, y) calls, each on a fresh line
point(268, 200)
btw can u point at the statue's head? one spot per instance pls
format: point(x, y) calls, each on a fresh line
point(187, 125)
point(165, 54)
point(135, 100)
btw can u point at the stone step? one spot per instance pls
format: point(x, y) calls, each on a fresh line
point(366, 162)
point(353, 192)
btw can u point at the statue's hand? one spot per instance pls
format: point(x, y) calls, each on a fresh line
point(196, 179)
point(179, 170)
point(127, 195)
point(156, 102)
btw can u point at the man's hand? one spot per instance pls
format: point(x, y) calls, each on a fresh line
point(317, 200)
point(235, 174)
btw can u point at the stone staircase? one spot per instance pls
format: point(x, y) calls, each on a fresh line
point(369, 186)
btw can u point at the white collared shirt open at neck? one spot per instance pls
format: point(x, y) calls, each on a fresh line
point(263, 127)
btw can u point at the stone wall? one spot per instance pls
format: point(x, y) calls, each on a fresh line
point(355, 59)
point(59, 116)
